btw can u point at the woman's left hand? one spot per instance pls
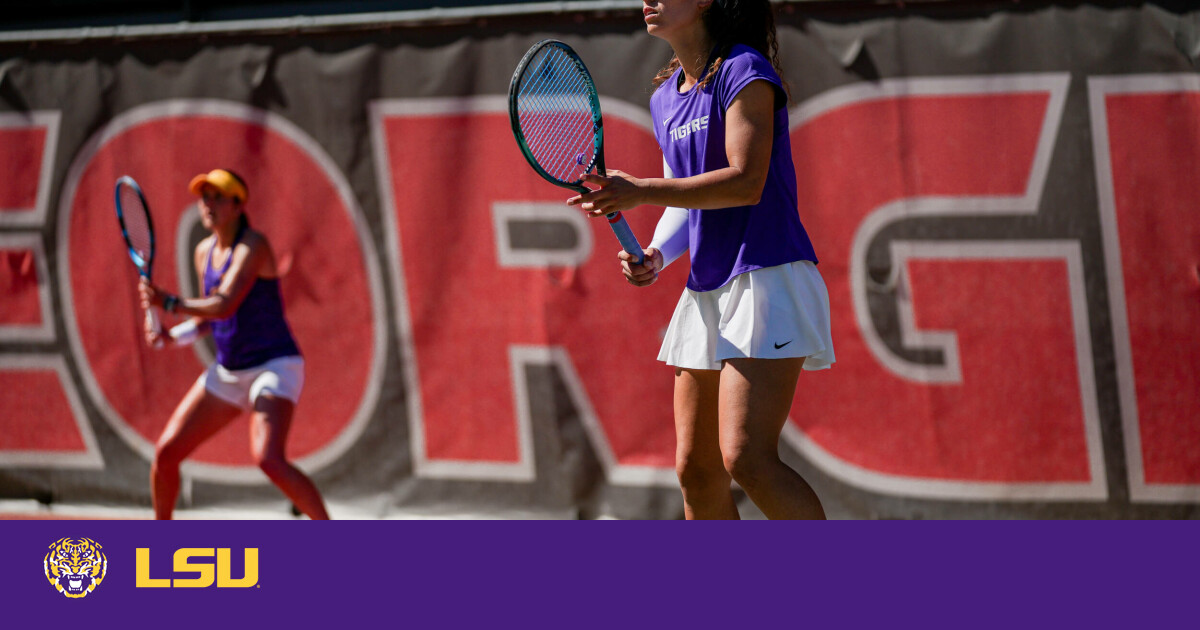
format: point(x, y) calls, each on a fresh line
point(617, 192)
point(150, 294)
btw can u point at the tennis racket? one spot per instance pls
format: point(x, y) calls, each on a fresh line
point(133, 213)
point(555, 114)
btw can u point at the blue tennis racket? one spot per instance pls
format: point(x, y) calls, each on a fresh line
point(133, 213)
point(555, 114)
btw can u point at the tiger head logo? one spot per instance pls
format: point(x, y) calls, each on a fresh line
point(75, 566)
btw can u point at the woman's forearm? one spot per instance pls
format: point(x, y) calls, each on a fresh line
point(723, 188)
point(211, 307)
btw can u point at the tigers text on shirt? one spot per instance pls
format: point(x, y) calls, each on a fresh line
point(686, 129)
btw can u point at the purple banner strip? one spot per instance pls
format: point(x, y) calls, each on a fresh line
point(604, 574)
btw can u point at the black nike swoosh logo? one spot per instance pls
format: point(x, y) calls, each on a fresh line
point(780, 345)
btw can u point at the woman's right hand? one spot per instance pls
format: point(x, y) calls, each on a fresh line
point(645, 274)
point(154, 338)
point(151, 296)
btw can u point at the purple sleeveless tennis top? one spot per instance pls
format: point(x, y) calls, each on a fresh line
point(257, 332)
point(690, 128)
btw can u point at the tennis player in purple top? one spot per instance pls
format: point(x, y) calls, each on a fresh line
point(258, 367)
point(755, 312)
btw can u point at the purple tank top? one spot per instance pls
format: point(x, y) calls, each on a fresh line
point(257, 332)
point(690, 128)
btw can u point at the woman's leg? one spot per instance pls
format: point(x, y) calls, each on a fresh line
point(268, 436)
point(756, 395)
point(702, 475)
point(198, 417)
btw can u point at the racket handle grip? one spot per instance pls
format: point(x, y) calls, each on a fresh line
point(629, 242)
point(153, 324)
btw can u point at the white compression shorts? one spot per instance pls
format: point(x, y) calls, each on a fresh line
point(282, 377)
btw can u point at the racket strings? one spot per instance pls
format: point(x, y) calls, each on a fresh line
point(558, 128)
point(136, 223)
point(563, 101)
point(557, 88)
point(570, 140)
point(555, 114)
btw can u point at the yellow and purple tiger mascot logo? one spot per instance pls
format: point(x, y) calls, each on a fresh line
point(75, 566)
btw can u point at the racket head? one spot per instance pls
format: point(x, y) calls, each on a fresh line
point(555, 114)
point(133, 214)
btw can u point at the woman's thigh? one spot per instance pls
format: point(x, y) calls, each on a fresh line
point(755, 398)
point(198, 417)
point(696, 418)
point(269, 426)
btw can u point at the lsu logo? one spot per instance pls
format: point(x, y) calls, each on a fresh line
point(206, 572)
point(75, 566)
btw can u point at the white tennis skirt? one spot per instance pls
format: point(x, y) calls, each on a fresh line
point(776, 312)
point(282, 377)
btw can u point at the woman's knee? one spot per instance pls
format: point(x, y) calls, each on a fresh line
point(697, 474)
point(273, 466)
point(747, 466)
point(168, 454)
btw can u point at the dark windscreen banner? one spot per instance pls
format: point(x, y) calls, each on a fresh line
point(1004, 206)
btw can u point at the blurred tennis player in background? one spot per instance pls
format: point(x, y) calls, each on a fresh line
point(755, 312)
point(258, 367)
